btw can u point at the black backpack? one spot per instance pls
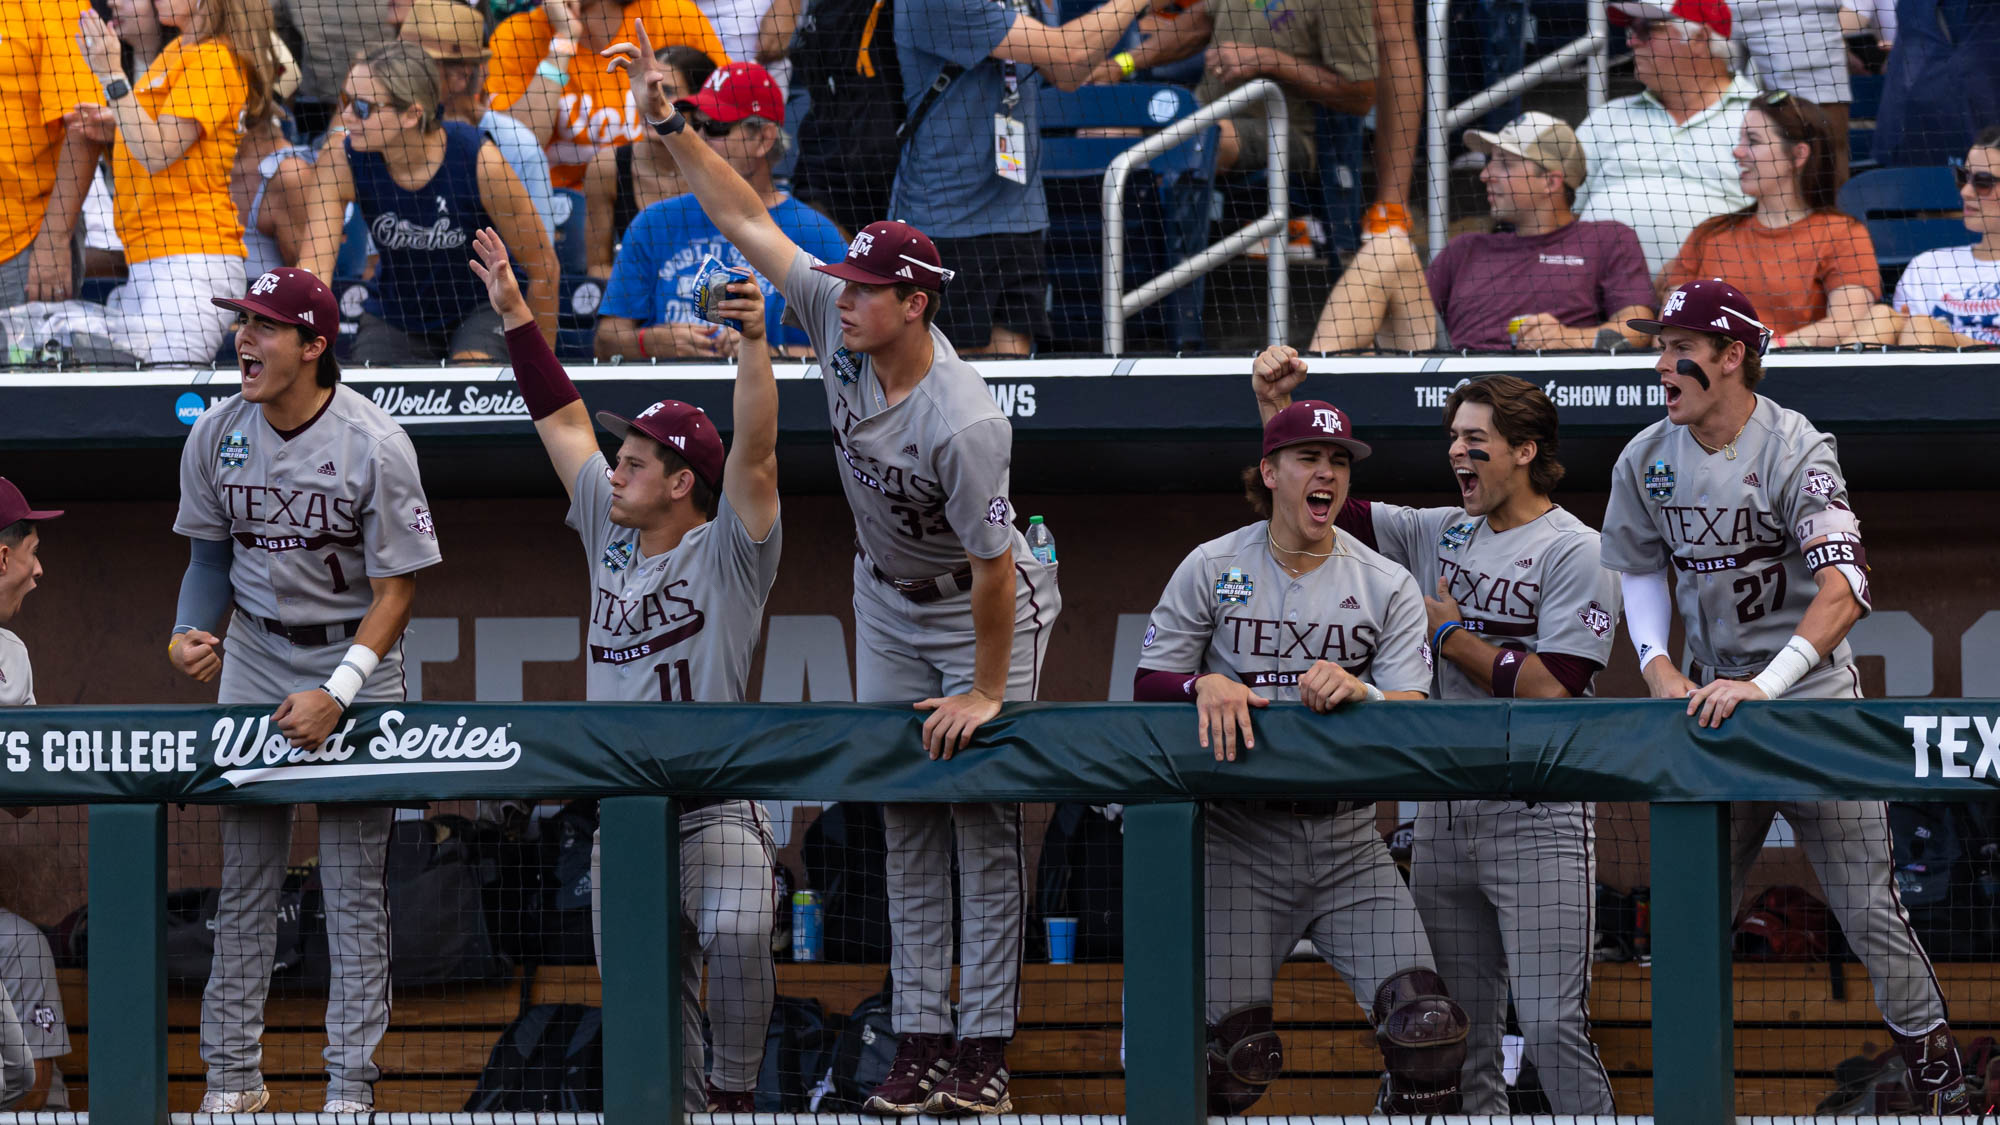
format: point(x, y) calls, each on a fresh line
point(1946, 859)
point(550, 1059)
point(300, 955)
point(844, 55)
point(798, 1057)
point(864, 1052)
point(846, 862)
point(1081, 876)
point(438, 873)
point(566, 935)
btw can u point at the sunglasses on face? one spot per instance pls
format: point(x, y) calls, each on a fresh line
point(710, 127)
point(1641, 28)
point(1982, 183)
point(361, 108)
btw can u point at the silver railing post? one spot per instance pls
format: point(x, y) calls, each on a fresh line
point(1118, 304)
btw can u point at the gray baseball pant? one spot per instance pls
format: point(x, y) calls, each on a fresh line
point(1273, 875)
point(1847, 843)
point(728, 901)
point(256, 845)
point(1508, 894)
point(17, 1060)
point(905, 652)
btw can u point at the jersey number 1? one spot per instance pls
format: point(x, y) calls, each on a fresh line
point(676, 685)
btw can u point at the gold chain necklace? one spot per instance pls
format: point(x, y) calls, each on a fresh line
point(1296, 571)
point(1728, 448)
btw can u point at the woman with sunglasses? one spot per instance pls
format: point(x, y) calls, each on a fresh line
point(1951, 297)
point(424, 186)
point(626, 180)
point(178, 129)
point(1809, 268)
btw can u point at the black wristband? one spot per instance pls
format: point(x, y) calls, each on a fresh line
point(675, 122)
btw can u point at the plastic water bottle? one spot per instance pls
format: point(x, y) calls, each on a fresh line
point(1041, 544)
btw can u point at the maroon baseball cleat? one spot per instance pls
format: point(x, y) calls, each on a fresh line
point(977, 1082)
point(731, 1101)
point(921, 1062)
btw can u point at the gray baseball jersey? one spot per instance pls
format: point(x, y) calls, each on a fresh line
point(680, 626)
point(315, 513)
point(17, 676)
point(1538, 586)
point(1230, 608)
point(28, 970)
point(1505, 887)
point(927, 478)
point(1730, 526)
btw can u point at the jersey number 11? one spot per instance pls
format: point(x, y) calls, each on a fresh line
point(676, 685)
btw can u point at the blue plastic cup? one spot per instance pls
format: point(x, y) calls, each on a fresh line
point(1062, 941)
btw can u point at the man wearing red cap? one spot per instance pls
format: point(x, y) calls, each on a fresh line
point(20, 570)
point(1746, 500)
point(649, 304)
point(924, 457)
point(682, 546)
point(1660, 160)
point(1275, 869)
point(306, 518)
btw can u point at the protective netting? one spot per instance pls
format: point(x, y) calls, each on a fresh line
point(1480, 175)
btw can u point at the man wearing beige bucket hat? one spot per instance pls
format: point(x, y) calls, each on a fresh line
point(454, 36)
point(1551, 282)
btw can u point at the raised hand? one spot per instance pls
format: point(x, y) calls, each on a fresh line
point(99, 44)
point(502, 289)
point(647, 74)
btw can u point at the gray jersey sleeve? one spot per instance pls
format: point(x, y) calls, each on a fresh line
point(28, 969)
point(1816, 484)
point(17, 675)
point(1580, 603)
point(17, 1065)
point(809, 297)
point(1399, 533)
point(1178, 634)
point(973, 468)
point(1399, 663)
point(590, 504)
point(1631, 542)
point(397, 529)
point(200, 515)
point(751, 563)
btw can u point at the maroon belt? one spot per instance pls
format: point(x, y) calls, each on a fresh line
point(925, 590)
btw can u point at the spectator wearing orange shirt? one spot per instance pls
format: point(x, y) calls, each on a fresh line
point(1808, 269)
point(546, 72)
point(45, 168)
point(178, 132)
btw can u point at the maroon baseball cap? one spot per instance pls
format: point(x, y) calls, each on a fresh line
point(1714, 306)
point(290, 296)
point(1312, 420)
point(888, 252)
point(14, 506)
point(682, 428)
point(1711, 14)
point(737, 91)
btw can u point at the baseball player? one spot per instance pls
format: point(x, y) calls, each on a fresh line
point(1506, 889)
point(682, 548)
point(950, 608)
point(1291, 608)
point(28, 976)
point(1745, 499)
point(20, 572)
point(307, 523)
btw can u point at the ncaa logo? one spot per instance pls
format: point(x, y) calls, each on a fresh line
point(188, 408)
point(1328, 421)
point(265, 284)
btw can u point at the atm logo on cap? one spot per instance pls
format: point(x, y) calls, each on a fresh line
point(265, 284)
point(1328, 421)
point(862, 246)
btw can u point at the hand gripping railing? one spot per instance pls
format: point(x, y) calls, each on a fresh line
point(1269, 227)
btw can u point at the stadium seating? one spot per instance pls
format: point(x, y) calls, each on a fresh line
point(571, 253)
point(1165, 209)
point(1907, 210)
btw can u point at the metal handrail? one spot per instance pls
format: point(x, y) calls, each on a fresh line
point(1591, 51)
point(1269, 227)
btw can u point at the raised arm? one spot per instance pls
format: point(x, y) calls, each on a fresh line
point(561, 419)
point(750, 476)
point(730, 202)
point(1066, 55)
point(775, 30)
point(1274, 375)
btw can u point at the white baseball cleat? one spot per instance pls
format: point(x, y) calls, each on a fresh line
point(346, 1105)
point(235, 1101)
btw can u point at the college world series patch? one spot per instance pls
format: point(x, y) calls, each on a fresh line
point(1456, 536)
point(618, 556)
point(1660, 481)
point(1234, 588)
point(845, 367)
point(234, 450)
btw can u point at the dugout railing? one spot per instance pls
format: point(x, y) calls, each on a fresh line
point(129, 763)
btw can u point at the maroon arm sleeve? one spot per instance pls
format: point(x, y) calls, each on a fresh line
point(1572, 672)
point(1357, 518)
point(1150, 686)
point(540, 378)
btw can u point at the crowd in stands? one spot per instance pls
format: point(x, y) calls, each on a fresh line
point(171, 150)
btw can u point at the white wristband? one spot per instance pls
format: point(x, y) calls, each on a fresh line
point(354, 670)
point(1787, 668)
point(1374, 693)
